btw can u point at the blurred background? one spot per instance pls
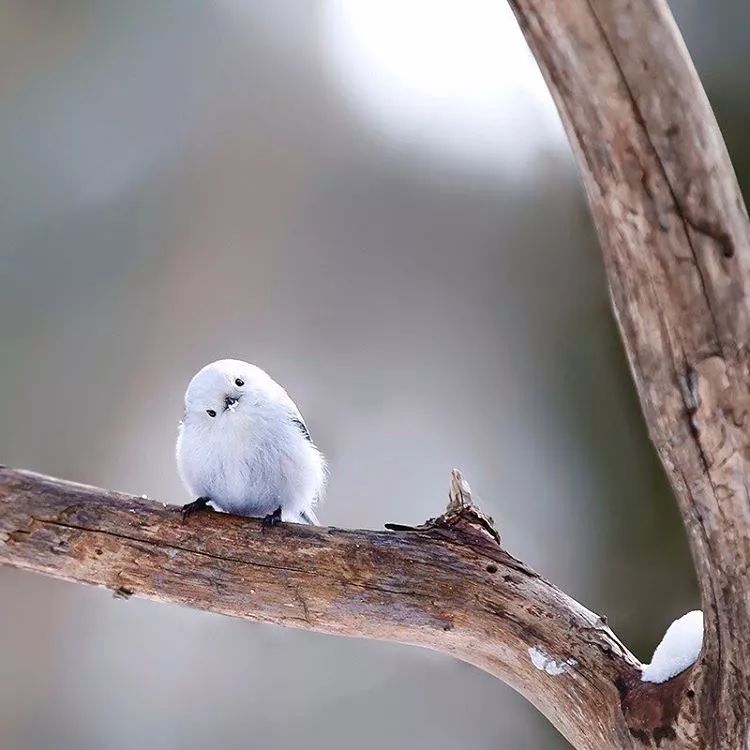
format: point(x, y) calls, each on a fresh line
point(375, 202)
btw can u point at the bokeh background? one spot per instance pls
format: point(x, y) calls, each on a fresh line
point(375, 202)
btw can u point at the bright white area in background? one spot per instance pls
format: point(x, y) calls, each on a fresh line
point(452, 77)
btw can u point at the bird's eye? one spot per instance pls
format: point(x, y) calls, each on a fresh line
point(210, 412)
point(239, 382)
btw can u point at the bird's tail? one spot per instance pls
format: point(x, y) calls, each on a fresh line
point(309, 517)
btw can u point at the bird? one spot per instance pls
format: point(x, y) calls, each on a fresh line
point(243, 447)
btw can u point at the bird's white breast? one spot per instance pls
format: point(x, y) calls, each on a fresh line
point(251, 461)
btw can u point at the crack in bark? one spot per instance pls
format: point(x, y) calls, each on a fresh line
point(176, 547)
point(711, 230)
point(662, 168)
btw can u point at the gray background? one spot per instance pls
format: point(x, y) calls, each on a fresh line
point(184, 180)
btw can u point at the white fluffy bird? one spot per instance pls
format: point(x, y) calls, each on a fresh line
point(244, 447)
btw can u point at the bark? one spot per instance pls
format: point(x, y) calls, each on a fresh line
point(674, 235)
point(448, 586)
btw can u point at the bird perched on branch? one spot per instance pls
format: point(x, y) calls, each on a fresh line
point(244, 448)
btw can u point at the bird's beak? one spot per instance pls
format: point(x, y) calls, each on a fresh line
point(230, 403)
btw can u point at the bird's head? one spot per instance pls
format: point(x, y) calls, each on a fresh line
point(224, 388)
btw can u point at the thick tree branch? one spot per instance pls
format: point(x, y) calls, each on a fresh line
point(447, 585)
point(674, 233)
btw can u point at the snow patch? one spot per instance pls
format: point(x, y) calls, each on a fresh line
point(545, 663)
point(679, 648)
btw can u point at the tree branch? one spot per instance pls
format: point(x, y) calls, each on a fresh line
point(674, 233)
point(447, 585)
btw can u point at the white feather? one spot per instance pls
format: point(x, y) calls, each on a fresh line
point(253, 456)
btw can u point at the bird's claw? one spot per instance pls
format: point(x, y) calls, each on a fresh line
point(272, 519)
point(196, 505)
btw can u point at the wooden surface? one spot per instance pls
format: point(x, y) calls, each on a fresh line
point(674, 233)
point(448, 587)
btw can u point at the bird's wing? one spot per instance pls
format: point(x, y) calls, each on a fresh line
point(297, 419)
point(307, 516)
point(294, 413)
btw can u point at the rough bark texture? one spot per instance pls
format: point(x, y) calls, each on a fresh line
point(674, 233)
point(448, 586)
